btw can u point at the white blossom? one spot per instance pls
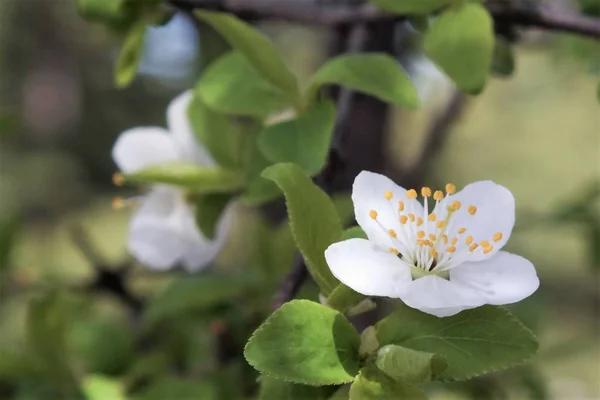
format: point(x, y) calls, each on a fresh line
point(163, 231)
point(441, 262)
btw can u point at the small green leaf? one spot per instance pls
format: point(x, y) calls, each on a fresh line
point(218, 133)
point(354, 232)
point(209, 208)
point(503, 60)
point(305, 342)
point(379, 75)
point(104, 10)
point(371, 384)
point(199, 292)
point(167, 388)
point(191, 176)
point(258, 50)
point(275, 389)
point(473, 342)
point(131, 54)
point(313, 219)
point(409, 365)
point(411, 6)
point(304, 141)
point(231, 85)
point(344, 299)
point(98, 387)
point(461, 42)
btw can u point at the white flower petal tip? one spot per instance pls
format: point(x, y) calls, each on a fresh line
point(441, 262)
point(139, 148)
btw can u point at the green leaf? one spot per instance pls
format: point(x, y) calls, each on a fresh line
point(305, 342)
point(461, 42)
point(503, 59)
point(115, 11)
point(191, 176)
point(47, 324)
point(212, 45)
point(178, 388)
point(409, 365)
point(313, 219)
point(193, 293)
point(411, 6)
point(371, 384)
point(304, 141)
point(379, 75)
point(9, 229)
point(598, 92)
point(344, 206)
point(231, 85)
point(275, 389)
point(218, 133)
point(258, 50)
point(344, 299)
point(419, 23)
point(131, 54)
point(275, 249)
point(354, 232)
point(473, 342)
point(209, 208)
point(98, 387)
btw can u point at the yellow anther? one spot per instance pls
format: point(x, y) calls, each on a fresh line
point(118, 179)
point(419, 221)
point(420, 242)
point(392, 233)
point(487, 249)
point(429, 243)
point(454, 241)
point(403, 219)
point(425, 191)
point(497, 237)
point(469, 240)
point(432, 237)
point(421, 234)
point(461, 230)
point(411, 194)
point(118, 203)
point(450, 188)
point(438, 195)
point(394, 251)
point(411, 216)
point(472, 210)
point(473, 247)
point(451, 249)
point(484, 243)
point(441, 224)
point(433, 253)
point(456, 205)
point(389, 194)
point(432, 217)
point(373, 214)
point(444, 238)
point(400, 205)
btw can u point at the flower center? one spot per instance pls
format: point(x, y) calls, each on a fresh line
point(433, 242)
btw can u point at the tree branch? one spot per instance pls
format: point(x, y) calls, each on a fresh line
point(318, 12)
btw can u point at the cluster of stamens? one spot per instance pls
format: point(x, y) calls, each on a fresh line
point(431, 241)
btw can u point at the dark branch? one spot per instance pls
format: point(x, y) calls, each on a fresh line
point(318, 12)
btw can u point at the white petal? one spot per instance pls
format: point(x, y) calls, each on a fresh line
point(503, 279)
point(153, 239)
point(368, 269)
point(178, 122)
point(495, 214)
point(201, 251)
point(440, 297)
point(139, 148)
point(368, 193)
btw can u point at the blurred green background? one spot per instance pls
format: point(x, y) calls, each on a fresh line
point(537, 132)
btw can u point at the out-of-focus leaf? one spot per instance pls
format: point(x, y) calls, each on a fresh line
point(304, 141)
point(9, 229)
point(420, 23)
point(534, 382)
point(410, 366)
point(15, 365)
point(275, 249)
point(8, 123)
point(131, 54)
point(354, 232)
point(461, 42)
point(107, 11)
point(593, 242)
point(98, 387)
point(313, 219)
point(219, 134)
point(275, 389)
point(305, 342)
point(411, 6)
point(212, 44)
point(192, 176)
point(209, 209)
point(167, 388)
point(231, 85)
point(372, 384)
point(343, 298)
point(503, 59)
point(598, 92)
point(379, 75)
point(344, 206)
point(258, 50)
